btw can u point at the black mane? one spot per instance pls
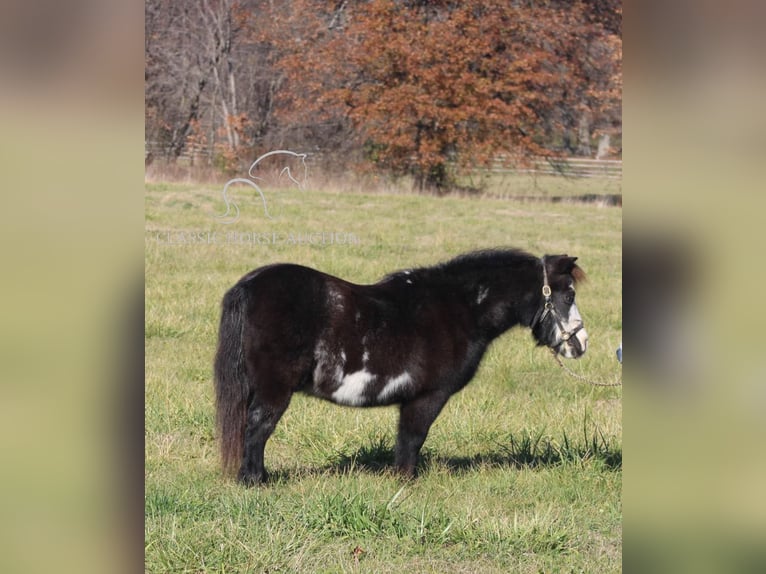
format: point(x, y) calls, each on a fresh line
point(486, 259)
point(468, 265)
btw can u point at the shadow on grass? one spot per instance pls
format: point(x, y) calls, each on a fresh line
point(528, 451)
point(376, 457)
point(503, 458)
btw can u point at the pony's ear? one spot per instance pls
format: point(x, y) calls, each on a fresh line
point(566, 266)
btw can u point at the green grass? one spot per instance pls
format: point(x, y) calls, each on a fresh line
point(520, 473)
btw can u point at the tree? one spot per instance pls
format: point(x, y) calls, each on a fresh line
point(416, 87)
point(175, 74)
point(206, 78)
point(428, 85)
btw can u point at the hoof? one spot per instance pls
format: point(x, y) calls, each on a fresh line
point(252, 479)
point(406, 472)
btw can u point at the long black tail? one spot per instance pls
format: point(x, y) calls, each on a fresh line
point(231, 384)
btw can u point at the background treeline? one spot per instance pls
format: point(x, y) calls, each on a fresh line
point(404, 87)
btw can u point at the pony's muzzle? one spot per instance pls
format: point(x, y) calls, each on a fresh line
point(574, 346)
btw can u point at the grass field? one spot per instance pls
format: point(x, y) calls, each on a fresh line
point(522, 470)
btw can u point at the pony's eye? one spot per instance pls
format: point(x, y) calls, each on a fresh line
point(569, 298)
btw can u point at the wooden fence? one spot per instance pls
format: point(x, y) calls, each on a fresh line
point(576, 167)
point(567, 167)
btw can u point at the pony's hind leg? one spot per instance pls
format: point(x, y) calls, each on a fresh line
point(415, 420)
point(262, 419)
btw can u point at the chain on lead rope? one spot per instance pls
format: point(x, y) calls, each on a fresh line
point(581, 377)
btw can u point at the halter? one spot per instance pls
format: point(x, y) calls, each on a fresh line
point(549, 309)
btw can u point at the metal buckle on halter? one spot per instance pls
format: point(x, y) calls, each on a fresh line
point(548, 305)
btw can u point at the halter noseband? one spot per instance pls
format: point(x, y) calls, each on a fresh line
point(549, 309)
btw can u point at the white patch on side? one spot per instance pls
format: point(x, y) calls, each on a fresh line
point(365, 357)
point(352, 387)
point(395, 385)
point(483, 292)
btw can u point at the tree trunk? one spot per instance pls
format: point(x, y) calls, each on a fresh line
point(583, 136)
point(179, 141)
point(432, 179)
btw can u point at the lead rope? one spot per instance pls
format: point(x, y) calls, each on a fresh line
point(582, 378)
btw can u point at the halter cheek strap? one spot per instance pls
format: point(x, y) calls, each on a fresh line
point(547, 304)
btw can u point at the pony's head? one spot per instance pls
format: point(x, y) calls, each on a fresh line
point(557, 323)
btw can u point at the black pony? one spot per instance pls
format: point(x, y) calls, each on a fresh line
point(413, 339)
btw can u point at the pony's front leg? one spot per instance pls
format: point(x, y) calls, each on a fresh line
point(415, 419)
point(262, 419)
